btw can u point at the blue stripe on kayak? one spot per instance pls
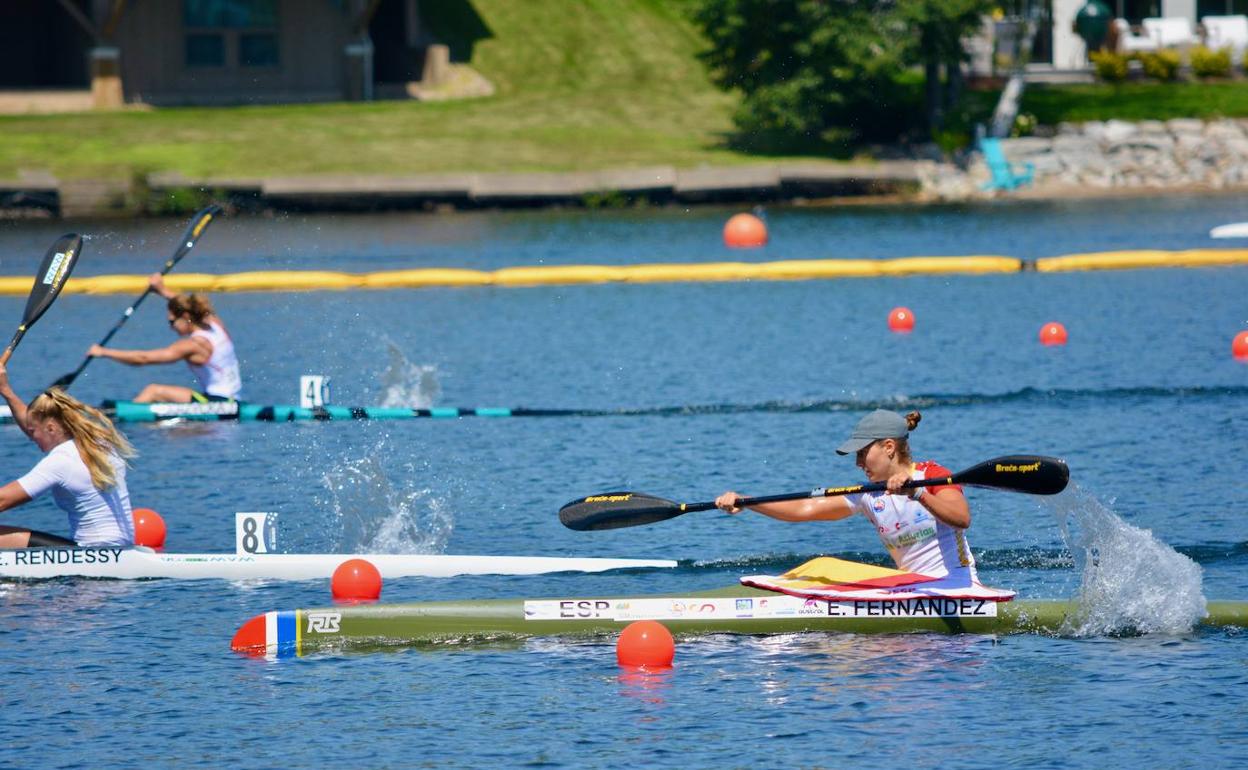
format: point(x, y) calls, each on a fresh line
point(287, 634)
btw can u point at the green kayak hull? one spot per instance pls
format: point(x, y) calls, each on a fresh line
point(731, 610)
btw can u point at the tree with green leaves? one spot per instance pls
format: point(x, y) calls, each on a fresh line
point(823, 72)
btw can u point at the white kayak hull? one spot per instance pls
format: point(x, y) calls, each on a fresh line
point(141, 563)
point(1235, 230)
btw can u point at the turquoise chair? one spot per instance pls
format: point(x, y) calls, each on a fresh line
point(1005, 176)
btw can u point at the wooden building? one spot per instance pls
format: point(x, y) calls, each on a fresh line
point(206, 52)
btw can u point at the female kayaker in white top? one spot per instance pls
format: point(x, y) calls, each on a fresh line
point(84, 468)
point(923, 528)
point(204, 345)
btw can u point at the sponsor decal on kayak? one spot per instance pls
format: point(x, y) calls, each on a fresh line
point(779, 606)
point(35, 557)
point(324, 622)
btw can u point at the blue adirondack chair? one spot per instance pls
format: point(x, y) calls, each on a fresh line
point(1005, 175)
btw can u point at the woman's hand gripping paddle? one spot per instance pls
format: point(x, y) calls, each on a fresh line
point(1030, 474)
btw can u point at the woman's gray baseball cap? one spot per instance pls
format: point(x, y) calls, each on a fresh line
point(879, 424)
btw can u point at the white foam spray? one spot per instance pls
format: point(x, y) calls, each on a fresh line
point(405, 384)
point(384, 508)
point(1131, 582)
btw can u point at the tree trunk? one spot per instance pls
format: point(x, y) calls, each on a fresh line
point(932, 96)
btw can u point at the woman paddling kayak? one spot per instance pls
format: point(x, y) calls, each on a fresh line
point(84, 468)
point(204, 345)
point(924, 528)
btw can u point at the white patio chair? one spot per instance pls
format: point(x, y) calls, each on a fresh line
point(1171, 32)
point(1227, 32)
point(1129, 42)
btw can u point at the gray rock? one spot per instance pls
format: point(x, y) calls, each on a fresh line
point(1026, 147)
point(1118, 130)
point(1185, 126)
point(1224, 129)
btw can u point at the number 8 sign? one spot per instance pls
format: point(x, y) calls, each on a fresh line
point(255, 533)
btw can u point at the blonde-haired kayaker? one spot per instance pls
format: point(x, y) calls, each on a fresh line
point(923, 528)
point(204, 344)
point(84, 469)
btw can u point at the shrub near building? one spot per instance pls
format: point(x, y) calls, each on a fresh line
point(1161, 65)
point(1110, 66)
point(1208, 63)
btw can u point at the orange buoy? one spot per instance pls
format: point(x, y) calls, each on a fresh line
point(645, 643)
point(1053, 333)
point(1239, 346)
point(356, 580)
point(745, 231)
point(149, 528)
point(901, 320)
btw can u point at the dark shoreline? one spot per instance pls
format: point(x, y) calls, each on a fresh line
point(168, 194)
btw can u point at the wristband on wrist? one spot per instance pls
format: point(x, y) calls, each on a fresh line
point(918, 492)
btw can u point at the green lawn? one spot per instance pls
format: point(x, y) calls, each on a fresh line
point(1136, 101)
point(582, 85)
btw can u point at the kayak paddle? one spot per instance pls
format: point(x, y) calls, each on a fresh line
point(50, 278)
point(189, 238)
point(1032, 474)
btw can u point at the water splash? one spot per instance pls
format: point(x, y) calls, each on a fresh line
point(1131, 582)
point(405, 384)
point(379, 515)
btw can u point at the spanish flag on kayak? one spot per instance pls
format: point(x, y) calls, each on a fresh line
point(837, 579)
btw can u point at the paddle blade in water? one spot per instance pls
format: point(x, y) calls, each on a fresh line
point(613, 510)
point(1030, 474)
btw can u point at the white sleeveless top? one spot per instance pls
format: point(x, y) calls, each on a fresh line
point(95, 517)
point(219, 376)
point(917, 540)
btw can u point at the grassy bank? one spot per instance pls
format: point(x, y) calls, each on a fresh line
point(583, 85)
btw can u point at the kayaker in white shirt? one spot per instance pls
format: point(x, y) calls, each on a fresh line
point(924, 528)
point(205, 345)
point(84, 469)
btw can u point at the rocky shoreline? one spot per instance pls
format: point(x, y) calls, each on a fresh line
point(1108, 158)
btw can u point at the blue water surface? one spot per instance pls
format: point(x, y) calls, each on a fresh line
point(698, 388)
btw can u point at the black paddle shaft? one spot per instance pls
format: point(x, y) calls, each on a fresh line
point(1030, 474)
point(50, 278)
point(189, 239)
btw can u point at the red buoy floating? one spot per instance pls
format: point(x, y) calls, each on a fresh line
point(1239, 346)
point(901, 320)
point(149, 528)
point(646, 644)
point(745, 231)
point(1053, 333)
point(356, 580)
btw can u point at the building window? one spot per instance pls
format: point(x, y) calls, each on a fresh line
point(1221, 8)
point(257, 50)
point(205, 51)
point(231, 33)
